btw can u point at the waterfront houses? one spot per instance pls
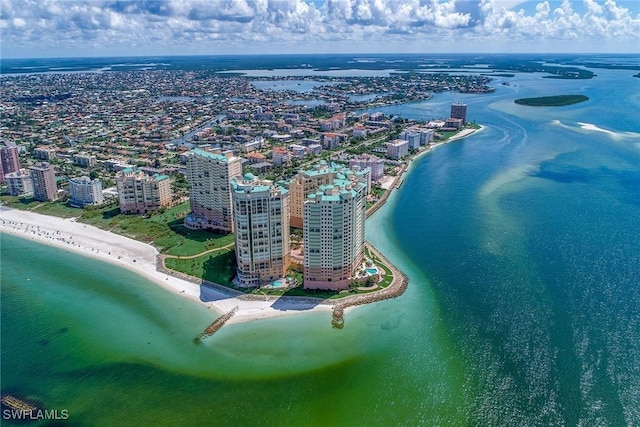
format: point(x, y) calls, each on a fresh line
point(85, 191)
point(261, 230)
point(209, 173)
point(140, 193)
point(44, 182)
point(334, 221)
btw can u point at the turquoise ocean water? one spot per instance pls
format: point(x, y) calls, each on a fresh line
point(522, 246)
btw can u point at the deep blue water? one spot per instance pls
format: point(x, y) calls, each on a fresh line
point(522, 246)
point(530, 240)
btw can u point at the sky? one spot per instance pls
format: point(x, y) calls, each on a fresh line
point(79, 28)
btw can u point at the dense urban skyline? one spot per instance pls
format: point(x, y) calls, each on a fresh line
point(56, 28)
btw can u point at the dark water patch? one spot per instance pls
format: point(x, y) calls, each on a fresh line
point(624, 184)
point(563, 173)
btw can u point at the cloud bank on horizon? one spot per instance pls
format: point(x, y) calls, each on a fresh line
point(49, 28)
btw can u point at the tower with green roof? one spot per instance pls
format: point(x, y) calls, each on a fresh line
point(261, 230)
point(334, 221)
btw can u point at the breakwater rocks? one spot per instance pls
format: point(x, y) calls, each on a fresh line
point(16, 404)
point(395, 289)
point(218, 323)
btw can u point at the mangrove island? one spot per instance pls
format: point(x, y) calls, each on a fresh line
point(552, 101)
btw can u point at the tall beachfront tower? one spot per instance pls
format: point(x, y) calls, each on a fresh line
point(209, 174)
point(85, 191)
point(44, 182)
point(334, 218)
point(459, 111)
point(323, 173)
point(140, 193)
point(261, 224)
point(9, 158)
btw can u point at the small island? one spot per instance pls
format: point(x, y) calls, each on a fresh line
point(552, 101)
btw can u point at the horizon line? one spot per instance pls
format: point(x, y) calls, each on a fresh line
point(220, 55)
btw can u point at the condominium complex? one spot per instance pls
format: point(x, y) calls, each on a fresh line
point(84, 160)
point(397, 149)
point(417, 136)
point(44, 182)
point(19, 183)
point(45, 153)
point(209, 174)
point(261, 230)
point(334, 219)
point(323, 173)
point(141, 193)
point(375, 164)
point(9, 158)
point(85, 191)
point(459, 111)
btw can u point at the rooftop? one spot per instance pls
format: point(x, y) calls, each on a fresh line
point(211, 155)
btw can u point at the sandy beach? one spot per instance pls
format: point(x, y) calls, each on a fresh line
point(141, 258)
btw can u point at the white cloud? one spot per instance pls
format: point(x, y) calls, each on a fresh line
point(66, 27)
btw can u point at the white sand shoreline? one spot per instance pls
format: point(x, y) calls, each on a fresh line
point(140, 258)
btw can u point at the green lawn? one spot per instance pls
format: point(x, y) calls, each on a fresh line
point(217, 267)
point(184, 242)
point(388, 277)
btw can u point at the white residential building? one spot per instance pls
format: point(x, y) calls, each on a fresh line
point(84, 160)
point(280, 156)
point(298, 151)
point(19, 183)
point(45, 153)
point(375, 164)
point(397, 149)
point(412, 137)
point(85, 191)
point(359, 131)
